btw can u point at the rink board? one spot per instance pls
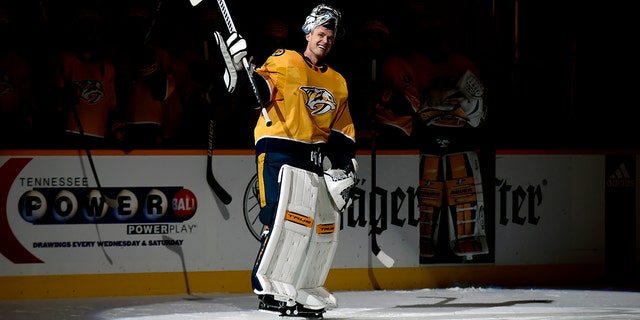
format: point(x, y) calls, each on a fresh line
point(170, 234)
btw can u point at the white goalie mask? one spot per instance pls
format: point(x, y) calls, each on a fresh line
point(323, 15)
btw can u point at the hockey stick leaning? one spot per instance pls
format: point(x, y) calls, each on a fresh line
point(224, 196)
point(232, 28)
point(110, 202)
point(385, 259)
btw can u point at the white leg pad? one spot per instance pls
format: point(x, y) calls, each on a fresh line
point(319, 257)
point(299, 254)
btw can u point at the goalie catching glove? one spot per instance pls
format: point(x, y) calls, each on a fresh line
point(233, 51)
point(473, 90)
point(340, 182)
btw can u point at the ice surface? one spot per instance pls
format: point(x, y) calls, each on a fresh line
point(442, 304)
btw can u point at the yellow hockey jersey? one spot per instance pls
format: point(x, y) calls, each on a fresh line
point(95, 86)
point(307, 101)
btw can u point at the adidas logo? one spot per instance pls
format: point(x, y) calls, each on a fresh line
point(620, 173)
point(621, 178)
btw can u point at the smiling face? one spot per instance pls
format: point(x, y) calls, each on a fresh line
point(319, 43)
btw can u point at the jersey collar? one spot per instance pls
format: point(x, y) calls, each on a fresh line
point(321, 67)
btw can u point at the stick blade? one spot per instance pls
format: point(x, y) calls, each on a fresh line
point(385, 259)
point(195, 2)
point(222, 194)
point(219, 191)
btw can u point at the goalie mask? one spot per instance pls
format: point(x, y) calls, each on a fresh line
point(326, 16)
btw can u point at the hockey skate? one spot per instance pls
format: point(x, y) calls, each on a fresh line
point(282, 308)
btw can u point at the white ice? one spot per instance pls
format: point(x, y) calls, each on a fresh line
point(442, 304)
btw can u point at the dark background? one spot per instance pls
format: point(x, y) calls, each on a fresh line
point(565, 79)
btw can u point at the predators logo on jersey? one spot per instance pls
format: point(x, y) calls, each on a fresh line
point(5, 85)
point(278, 52)
point(91, 91)
point(319, 100)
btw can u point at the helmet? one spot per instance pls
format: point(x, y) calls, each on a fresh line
point(323, 15)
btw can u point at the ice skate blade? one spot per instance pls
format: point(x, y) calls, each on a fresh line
point(298, 311)
point(269, 305)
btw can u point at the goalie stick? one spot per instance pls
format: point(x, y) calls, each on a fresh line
point(232, 28)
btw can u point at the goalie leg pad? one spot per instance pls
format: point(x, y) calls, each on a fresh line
point(289, 236)
point(320, 254)
point(292, 265)
point(463, 186)
point(430, 193)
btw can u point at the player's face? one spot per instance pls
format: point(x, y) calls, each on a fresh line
point(320, 41)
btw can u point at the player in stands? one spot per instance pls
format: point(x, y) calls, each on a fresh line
point(381, 87)
point(82, 83)
point(145, 79)
point(17, 105)
point(306, 165)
